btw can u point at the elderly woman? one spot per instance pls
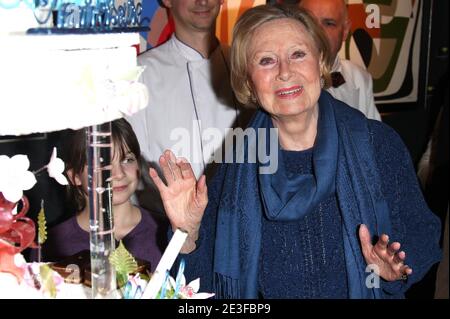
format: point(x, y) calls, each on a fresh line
point(334, 214)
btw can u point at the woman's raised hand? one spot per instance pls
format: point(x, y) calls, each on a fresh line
point(389, 259)
point(183, 197)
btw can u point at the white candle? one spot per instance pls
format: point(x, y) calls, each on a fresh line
point(166, 262)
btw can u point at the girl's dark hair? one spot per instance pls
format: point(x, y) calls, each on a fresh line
point(73, 153)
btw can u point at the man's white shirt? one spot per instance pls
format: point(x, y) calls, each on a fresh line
point(187, 93)
point(357, 91)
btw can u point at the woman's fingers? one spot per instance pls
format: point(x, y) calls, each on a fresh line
point(366, 244)
point(173, 166)
point(166, 170)
point(400, 257)
point(202, 191)
point(185, 168)
point(393, 248)
point(169, 167)
point(201, 196)
point(201, 185)
point(388, 257)
point(382, 243)
point(405, 269)
point(158, 182)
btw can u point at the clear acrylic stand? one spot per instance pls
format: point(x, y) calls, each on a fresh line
point(102, 243)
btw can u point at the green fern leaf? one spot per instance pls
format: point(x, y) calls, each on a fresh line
point(42, 225)
point(124, 263)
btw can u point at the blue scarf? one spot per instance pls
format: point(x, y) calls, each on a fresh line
point(343, 162)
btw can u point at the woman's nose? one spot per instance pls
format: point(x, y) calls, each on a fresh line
point(284, 73)
point(117, 171)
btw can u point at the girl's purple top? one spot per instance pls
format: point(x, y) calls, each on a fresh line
point(146, 241)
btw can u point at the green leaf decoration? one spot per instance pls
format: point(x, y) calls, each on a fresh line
point(42, 225)
point(47, 280)
point(145, 277)
point(124, 263)
point(170, 292)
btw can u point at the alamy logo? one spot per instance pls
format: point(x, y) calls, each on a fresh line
point(373, 16)
point(373, 278)
point(228, 146)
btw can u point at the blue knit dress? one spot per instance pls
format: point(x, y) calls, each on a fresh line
point(303, 258)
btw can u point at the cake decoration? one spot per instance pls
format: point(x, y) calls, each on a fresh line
point(55, 168)
point(17, 232)
point(15, 176)
point(135, 286)
point(78, 16)
point(178, 289)
point(42, 225)
point(124, 263)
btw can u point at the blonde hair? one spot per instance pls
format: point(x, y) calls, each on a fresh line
point(243, 32)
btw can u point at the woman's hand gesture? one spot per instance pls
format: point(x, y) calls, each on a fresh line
point(389, 259)
point(183, 197)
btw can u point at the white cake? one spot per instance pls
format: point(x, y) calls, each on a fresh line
point(53, 82)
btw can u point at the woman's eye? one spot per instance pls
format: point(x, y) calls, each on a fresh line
point(266, 61)
point(128, 160)
point(298, 55)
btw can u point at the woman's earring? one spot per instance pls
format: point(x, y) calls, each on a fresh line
point(322, 82)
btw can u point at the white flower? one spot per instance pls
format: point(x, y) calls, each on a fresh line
point(15, 177)
point(55, 168)
point(189, 291)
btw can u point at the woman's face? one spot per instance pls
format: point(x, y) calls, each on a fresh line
point(284, 68)
point(124, 177)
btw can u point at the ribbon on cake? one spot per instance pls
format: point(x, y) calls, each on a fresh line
point(17, 232)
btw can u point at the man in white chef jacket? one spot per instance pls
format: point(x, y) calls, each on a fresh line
point(351, 83)
point(190, 97)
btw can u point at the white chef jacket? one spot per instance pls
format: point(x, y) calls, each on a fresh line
point(357, 91)
point(187, 94)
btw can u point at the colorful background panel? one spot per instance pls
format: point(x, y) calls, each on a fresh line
point(386, 39)
point(230, 12)
point(161, 25)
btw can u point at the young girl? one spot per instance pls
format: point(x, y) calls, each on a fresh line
point(142, 234)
